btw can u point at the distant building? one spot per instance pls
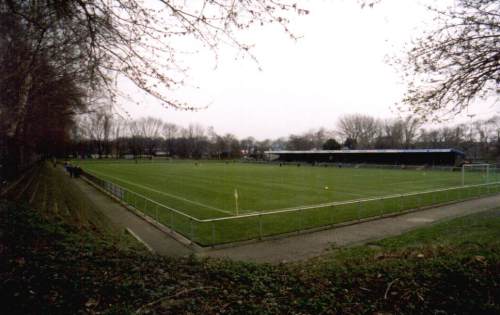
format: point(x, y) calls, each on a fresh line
point(161, 153)
point(451, 157)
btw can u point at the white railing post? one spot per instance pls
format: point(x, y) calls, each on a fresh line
point(191, 230)
point(213, 232)
point(331, 214)
point(300, 219)
point(260, 226)
point(359, 210)
point(391, 203)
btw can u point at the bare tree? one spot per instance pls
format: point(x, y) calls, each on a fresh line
point(300, 142)
point(87, 44)
point(485, 131)
point(169, 132)
point(495, 125)
point(410, 130)
point(139, 40)
point(134, 143)
point(117, 133)
point(195, 134)
point(319, 137)
point(456, 63)
point(145, 135)
point(361, 129)
point(233, 149)
point(39, 98)
point(430, 139)
point(150, 127)
point(391, 134)
point(97, 127)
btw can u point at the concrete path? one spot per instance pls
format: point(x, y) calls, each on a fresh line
point(154, 239)
point(300, 247)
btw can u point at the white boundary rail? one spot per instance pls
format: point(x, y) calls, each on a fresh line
point(119, 192)
point(132, 199)
point(340, 203)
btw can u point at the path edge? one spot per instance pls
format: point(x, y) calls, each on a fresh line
point(174, 234)
point(199, 248)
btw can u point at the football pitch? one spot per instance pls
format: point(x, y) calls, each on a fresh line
point(208, 190)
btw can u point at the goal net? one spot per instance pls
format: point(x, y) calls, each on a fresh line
point(476, 174)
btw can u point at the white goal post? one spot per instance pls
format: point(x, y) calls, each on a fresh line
point(484, 168)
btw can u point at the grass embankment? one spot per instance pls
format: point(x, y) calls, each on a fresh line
point(58, 267)
point(52, 192)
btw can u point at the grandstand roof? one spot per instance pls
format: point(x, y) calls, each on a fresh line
point(367, 151)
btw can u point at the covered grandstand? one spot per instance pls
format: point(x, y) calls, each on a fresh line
point(450, 157)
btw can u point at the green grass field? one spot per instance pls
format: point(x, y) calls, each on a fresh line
point(206, 190)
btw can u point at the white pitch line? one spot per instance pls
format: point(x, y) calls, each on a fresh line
point(167, 194)
point(140, 240)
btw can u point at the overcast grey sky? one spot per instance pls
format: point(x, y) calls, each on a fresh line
point(338, 66)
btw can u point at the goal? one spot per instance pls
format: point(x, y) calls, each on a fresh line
point(475, 174)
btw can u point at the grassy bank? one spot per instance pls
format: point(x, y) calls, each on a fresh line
point(53, 266)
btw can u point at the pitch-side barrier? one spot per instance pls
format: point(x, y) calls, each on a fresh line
point(262, 224)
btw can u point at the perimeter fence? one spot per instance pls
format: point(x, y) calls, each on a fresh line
point(258, 225)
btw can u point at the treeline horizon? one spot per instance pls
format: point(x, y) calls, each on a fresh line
point(59, 60)
point(100, 134)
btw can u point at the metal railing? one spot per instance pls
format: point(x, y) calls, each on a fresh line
point(257, 225)
point(165, 215)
